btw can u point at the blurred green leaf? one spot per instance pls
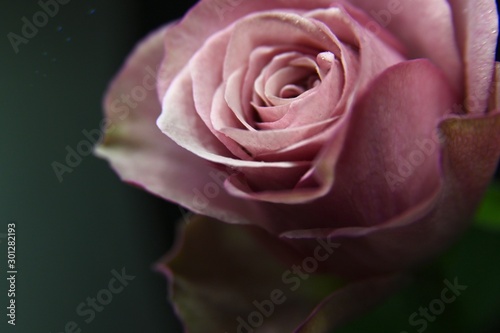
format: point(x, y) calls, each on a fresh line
point(473, 262)
point(488, 214)
point(222, 279)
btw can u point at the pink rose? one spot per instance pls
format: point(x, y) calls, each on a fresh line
point(366, 123)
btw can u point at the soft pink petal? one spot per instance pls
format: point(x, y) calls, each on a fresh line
point(414, 95)
point(142, 155)
point(257, 183)
point(494, 100)
point(476, 25)
point(280, 79)
point(265, 142)
point(375, 58)
point(321, 102)
point(374, 55)
point(275, 63)
point(259, 59)
point(180, 122)
point(205, 19)
point(273, 28)
point(397, 117)
point(424, 27)
point(304, 150)
point(470, 155)
point(208, 89)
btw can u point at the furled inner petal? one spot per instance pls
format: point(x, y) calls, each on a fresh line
point(303, 150)
point(319, 102)
point(223, 117)
point(324, 61)
point(301, 75)
point(260, 142)
point(374, 55)
point(275, 65)
point(259, 59)
point(291, 91)
point(273, 28)
point(294, 76)
point(232, 96)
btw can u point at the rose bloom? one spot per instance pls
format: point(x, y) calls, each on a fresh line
point(369, 123)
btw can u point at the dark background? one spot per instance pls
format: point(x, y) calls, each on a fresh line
point(72, 234)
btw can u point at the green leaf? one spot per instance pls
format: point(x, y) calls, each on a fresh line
point(226, 278)
point(488, 214)
point(223, 279)
point(472, 262)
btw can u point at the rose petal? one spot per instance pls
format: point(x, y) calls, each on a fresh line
point(278, 62)
point(142, 155)
point(280, 79)
point(349, 179)
point(205, 19)
point(207, 90)
point(424, 27)
point(321, 103)
point(270, 189)
point(180, 122)
point(494, 100)
point(259, 59)
point(393, 160)
point(470, 156)
point(374, 55)
point(179, 118)
point(476, 25)
point(304, 150)
point(266, 142)
point(254, 31)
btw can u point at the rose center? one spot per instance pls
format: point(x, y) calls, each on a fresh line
point(298, 74)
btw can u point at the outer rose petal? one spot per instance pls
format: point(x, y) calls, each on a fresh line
point(470, 156)
point(208, 17)
point(179, 115)
point(494, 100)
point(218, 272)
point(415, 95)
point(476, 25)
point(424, 27)
point(141, 154)
point(180, 122)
